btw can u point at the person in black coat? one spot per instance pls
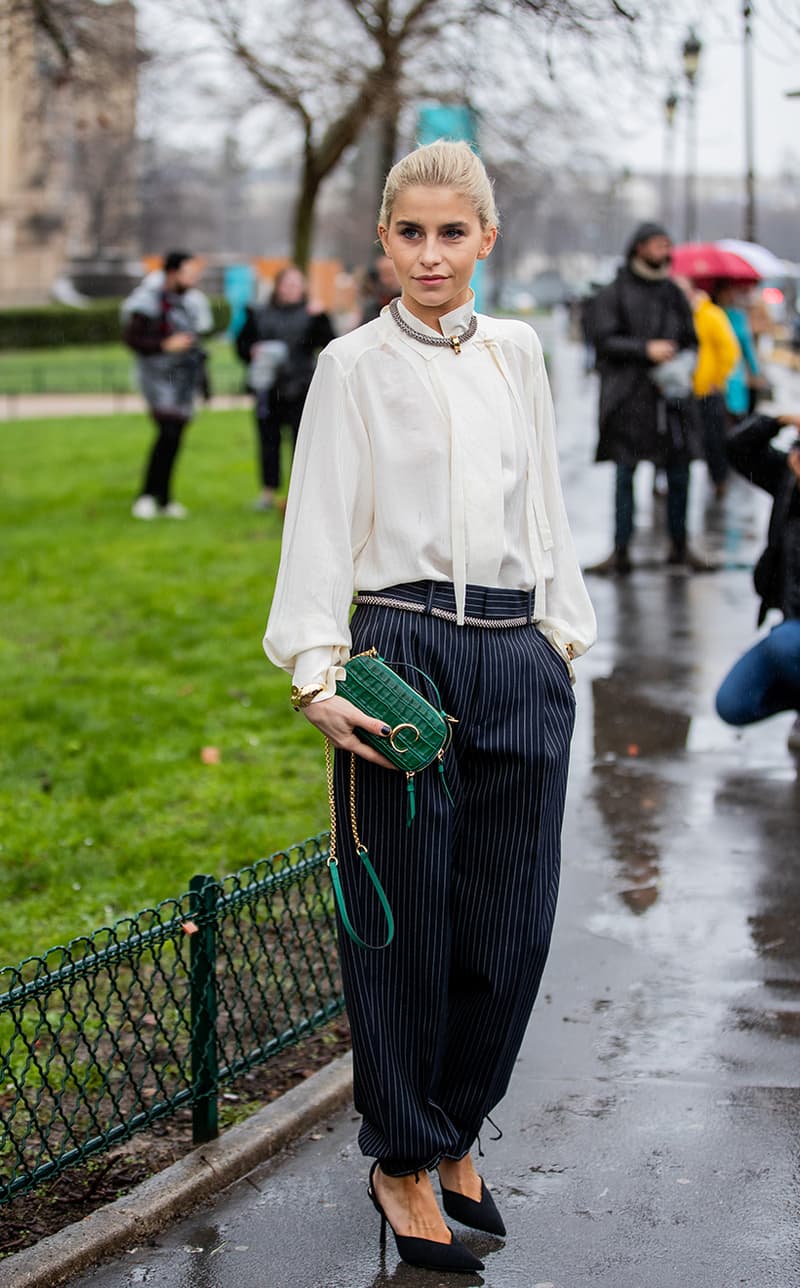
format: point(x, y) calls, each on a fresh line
point(640, 323)
point(383, 288)
point(280, 341)
point(766, 679)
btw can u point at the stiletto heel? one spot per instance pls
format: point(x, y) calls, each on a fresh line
point(478, 1214)
point(426, 1253)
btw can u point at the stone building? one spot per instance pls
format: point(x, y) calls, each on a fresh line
point(67, 143)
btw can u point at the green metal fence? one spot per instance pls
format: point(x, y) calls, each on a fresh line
point(101, 1038)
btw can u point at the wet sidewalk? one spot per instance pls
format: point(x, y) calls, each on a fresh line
point(650, 1134)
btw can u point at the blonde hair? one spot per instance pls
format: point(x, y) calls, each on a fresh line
point(442, 164)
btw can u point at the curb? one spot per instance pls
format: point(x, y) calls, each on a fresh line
point(169, 1194)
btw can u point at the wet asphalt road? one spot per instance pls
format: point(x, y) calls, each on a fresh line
point(650, 1135)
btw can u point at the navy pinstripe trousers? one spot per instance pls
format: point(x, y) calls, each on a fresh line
point(438, 1017)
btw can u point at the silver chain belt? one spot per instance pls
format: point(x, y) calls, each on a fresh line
point(444, 614)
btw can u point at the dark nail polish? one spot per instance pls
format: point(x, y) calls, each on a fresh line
point(385, 730)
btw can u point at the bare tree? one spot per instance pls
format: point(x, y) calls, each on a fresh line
point(84, 40)
point(180, 204)
point(335, 65)
point(102, 182)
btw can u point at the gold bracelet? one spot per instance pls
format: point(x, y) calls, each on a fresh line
point(301, 697)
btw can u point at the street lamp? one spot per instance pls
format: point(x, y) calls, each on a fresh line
point(670, 108)
point(749, 140)
point(691, 56)
point(691, 65)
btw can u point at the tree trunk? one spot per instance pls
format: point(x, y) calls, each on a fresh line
point(387, 146)
point(304, 211)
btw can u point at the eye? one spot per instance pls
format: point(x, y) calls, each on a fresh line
point(409, 234)
point(453, 234)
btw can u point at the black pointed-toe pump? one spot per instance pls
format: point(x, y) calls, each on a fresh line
point(426, 1253)
point(478, 1214)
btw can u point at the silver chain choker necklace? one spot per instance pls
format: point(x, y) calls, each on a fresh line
point(453, 342)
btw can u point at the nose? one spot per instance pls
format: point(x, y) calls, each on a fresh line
point(431, 253)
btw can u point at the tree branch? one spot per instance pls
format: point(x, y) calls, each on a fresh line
point(272, 83)
point(45, 19)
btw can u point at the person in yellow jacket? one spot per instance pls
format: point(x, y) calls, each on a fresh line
point(718, 352)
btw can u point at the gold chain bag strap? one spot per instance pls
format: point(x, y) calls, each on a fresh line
point(420, 735)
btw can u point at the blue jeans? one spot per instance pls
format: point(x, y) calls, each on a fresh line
point(677, 500)
point(766, 680)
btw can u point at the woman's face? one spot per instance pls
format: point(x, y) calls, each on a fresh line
point(291, 288)
point(189, 274)
point(730, 297)
point(433, 239)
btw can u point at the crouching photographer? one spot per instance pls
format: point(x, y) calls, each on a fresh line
point(766, 680)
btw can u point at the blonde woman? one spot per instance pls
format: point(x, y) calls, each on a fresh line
point(425, 487)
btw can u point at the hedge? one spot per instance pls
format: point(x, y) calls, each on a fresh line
point(57, 324)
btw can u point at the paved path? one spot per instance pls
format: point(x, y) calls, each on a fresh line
point(51, 406)
point(650, 1135)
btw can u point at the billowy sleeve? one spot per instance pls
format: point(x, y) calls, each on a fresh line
point(568, 621)
point(328, 519)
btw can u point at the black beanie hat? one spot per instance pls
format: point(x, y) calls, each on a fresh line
point(643, 232)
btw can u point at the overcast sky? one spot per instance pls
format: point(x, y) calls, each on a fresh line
point(720, 102)
point(633, 133)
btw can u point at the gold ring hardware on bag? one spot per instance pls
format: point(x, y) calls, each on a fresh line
point(401, 751)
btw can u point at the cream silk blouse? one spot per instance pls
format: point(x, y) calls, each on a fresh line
point(414, 462)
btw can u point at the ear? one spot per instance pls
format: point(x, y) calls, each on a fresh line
point(488, 240)
point(383, 234)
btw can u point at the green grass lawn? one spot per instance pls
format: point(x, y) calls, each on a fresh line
point(99, 368)
point(126, 648)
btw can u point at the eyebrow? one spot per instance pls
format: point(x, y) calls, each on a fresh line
point(412, 223)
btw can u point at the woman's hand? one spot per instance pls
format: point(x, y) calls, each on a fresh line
point(178, 342)
point(338, 719)
point(659, 351)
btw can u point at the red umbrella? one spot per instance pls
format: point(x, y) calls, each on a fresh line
point(707, 260)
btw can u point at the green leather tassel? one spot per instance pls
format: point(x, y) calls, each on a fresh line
point(444, 781)
point(412, 801)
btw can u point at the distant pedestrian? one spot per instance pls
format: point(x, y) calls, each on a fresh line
point(280, 341)
point(646, 351)
point(746, 375)
point(766, 680)
point(717, 355)
point(163, 321)
point(383, 288)
point(582, 328)
point(761, 324)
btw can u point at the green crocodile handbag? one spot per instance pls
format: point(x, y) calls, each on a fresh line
point(420, 734)
point(420, 731)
